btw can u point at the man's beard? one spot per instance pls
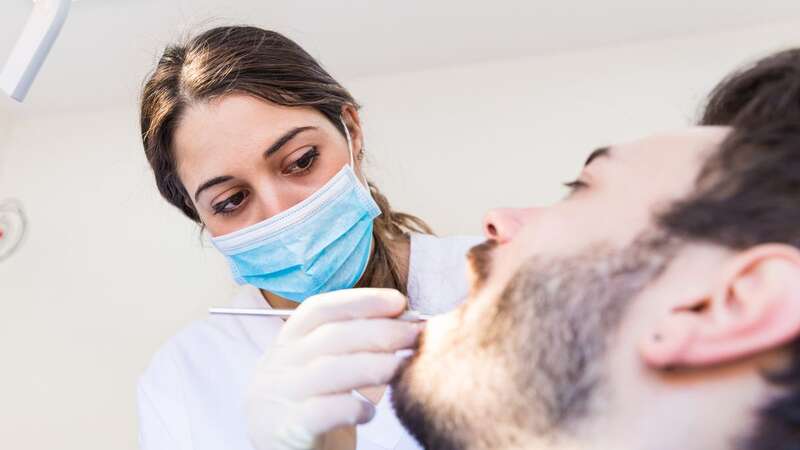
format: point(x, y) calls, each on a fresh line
point(545, 336)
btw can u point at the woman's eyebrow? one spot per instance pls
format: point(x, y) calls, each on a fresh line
point(281, 141)
point(212, 182)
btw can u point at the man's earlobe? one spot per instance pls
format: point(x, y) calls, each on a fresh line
point(753, 307)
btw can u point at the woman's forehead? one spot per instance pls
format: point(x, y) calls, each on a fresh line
point(235, 126)
point(230, 114)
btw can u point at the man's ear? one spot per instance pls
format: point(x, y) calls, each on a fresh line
point(352, 121)
point(753, 307)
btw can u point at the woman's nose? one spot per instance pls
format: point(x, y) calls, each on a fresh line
point(274, 198)
point(501, 225)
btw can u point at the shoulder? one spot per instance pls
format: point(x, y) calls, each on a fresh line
point(437, 279)
point(192, 342)
point(199, 376)
point(164, 416)
point(186, 355)
point(194, 378)
point(207, 347)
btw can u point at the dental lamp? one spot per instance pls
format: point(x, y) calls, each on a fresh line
point(34, 44)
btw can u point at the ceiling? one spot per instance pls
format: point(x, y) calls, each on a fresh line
point(107, 46)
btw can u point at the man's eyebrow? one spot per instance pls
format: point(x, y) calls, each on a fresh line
point(602, 152)
point(281, 141)
point(212, 182)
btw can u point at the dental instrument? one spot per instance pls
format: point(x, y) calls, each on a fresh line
point(407, 316)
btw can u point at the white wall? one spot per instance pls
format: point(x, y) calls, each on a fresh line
point(6, 124)
point(109, 270)
point(448, 144)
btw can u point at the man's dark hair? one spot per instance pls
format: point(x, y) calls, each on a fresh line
point(748, 193)
point(765, 89)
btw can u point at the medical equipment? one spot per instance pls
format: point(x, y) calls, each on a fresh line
point(408, 316)
point(34, 44)
point(12, 227)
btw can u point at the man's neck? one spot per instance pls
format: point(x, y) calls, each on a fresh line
point(704, 410)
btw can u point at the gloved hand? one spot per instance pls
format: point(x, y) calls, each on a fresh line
point(333, 343)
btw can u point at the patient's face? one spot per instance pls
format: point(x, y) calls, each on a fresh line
point(529, 350)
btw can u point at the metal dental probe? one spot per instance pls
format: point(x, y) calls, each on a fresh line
point(408, 316)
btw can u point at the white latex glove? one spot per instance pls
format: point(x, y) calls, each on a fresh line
point(332, 344)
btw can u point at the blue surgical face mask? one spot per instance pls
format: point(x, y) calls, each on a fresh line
point(321, 244)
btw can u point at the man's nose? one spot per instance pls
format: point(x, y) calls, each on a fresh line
point(501, 225)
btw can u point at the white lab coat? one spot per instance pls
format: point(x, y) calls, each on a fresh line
point(191, 397)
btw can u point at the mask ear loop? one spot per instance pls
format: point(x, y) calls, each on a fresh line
point(349, 143)
point(365, 186)
point(352, 157)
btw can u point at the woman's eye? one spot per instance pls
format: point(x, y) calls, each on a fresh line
point(230, 204)
point(303, 163)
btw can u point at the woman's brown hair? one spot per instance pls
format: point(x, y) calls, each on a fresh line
point(271, 67)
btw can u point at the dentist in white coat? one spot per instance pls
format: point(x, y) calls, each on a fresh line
point(249, 136)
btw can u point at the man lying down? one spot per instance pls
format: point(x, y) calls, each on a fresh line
point(656, 307)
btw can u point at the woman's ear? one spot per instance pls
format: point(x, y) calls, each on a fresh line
point(753, 307)
point(353, 123)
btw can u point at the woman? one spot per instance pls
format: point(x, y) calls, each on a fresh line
point(251, 138)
